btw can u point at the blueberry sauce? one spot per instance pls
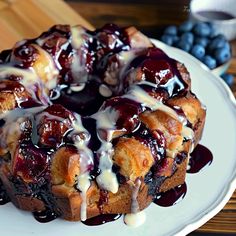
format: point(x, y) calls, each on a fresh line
point(3, 195)
point(156, 67)
point(199, 159)
point(171, 197)
point(216, 15)
point(101, 219)
point(155, 140)
point(45, 216)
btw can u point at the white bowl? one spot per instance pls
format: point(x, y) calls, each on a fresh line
point(226, 27)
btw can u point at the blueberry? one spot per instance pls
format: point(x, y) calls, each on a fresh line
point(209, 61)
point(198, 51)
point(175, 38)
point(167, 39)
point(186, 26)
point(171, 30)
point(222, 55)
point(216, 43)
point(183, 45)
point(202, 29)
point(228, 78)
point(227, 45)
point(187, 37)
point(213, 30)
point(202, 41)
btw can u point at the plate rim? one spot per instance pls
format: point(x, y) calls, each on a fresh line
point(221, 201)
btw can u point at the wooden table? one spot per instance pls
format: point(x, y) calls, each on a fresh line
point(28, 18)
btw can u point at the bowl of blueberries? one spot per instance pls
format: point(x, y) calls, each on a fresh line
point(201, 41)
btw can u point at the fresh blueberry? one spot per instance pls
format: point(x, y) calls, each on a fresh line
point(213, 33)
point(198, 51)
point(167, 39)
point(183, 45)
point(171, 30)
point(186, 26)
point(209, 61)
point(228, 78)
point(187, 37)
point(227, 45)
point(220, 36)
point(222, 55)
point(202, 41)
point(175, 38)
point(202, 29)
point(216, 43)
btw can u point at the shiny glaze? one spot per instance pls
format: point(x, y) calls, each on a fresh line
point(45, 216)
point(199, 159)
point(101, 219)
point(55, 126)
point(3, 195)
point(171, 197)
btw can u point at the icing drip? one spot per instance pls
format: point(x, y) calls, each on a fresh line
point(106, 121)
point(139, 95)
point(134, 201)
point(86, 161)
point(83, 185)
point(136, 217)
point(135, 220)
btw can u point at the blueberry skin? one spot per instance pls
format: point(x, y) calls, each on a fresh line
point(202, 41)
point(171, 30)
point(183, 45)
point(222, 55)
point(209, 61)
point(167, 39)
point(228, 78)
point(187, 37)
point(198, 51)
point(202, 29)
point(186, 26)
point(216, 43)
point(175, 38)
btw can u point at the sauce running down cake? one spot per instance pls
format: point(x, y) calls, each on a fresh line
point(93, 122)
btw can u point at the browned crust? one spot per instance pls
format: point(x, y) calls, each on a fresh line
point(194, 111)
point(70, 202)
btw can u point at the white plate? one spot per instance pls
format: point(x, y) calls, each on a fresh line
point(208, 191)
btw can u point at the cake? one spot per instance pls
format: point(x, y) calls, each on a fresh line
point(93, 122)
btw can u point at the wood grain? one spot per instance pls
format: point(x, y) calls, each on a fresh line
point(28, 18)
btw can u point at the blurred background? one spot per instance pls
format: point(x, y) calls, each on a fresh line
point(150, 16)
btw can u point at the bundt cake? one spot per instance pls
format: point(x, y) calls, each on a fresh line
point(93, 122)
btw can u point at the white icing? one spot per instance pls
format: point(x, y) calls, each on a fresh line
point(107, 180)
point(86, 155)
point(86, 159)
point(77, 33)
point(105, 91)
point(78, 64)
point(15, 119)
point(106, 120)
point(50, 71)
point(135, 219)
point(134, 201)
point(77, 88)
point(83, 185)
point(139, 95)
point(29, 80)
